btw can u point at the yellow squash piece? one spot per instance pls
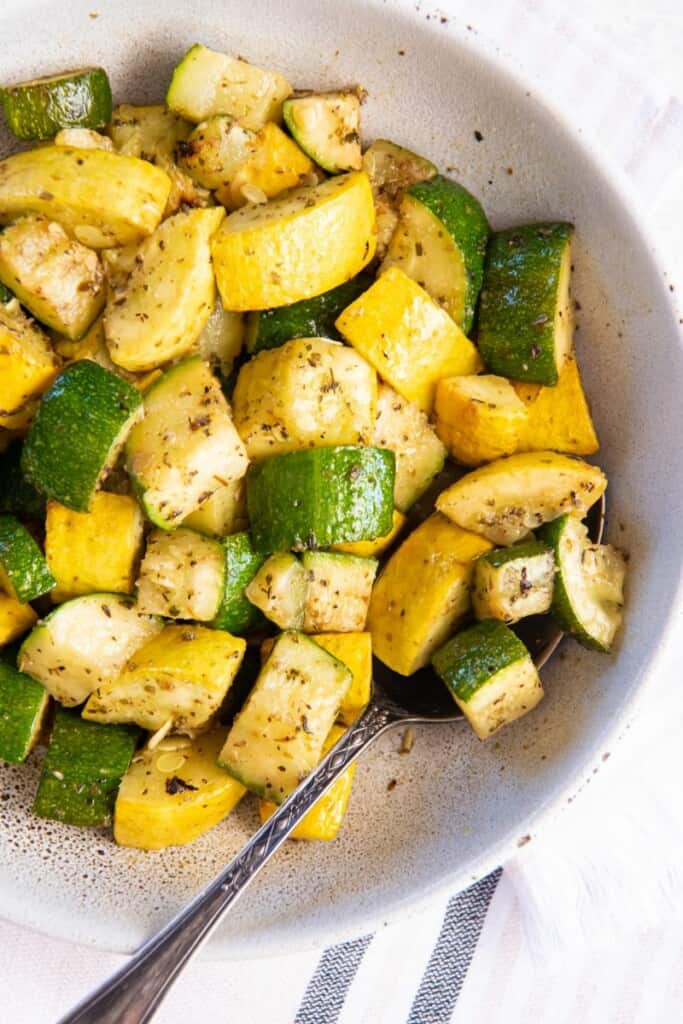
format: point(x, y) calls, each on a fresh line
point(101, 198)
point(169, 296)
point(174, 793)
point(225, 512)
point(509, 498)
point(182, 674)
point(373, 548)
point(27, 361)
point(94, 551)
point(58, 279)
point(307, 393)
point(407, 337)
point(423, 593)
point(325, 818)
point(296, 246)
point(479, 418)
point(558, 419)
point(21, 420)
point(15, 618)
point(355, 650)
point(274, 163)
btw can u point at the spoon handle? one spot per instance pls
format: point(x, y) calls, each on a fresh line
point(132, 994)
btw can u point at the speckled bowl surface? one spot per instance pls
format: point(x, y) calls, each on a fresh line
point(459, 807)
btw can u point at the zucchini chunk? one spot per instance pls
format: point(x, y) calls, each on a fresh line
point(338, 591)
point(24, 572)
point(214, 150)
point(274, 165)
point(183, 673)
point(182, 576)
point(558, 419)
point(94, 551)
point(403, 428)
point(509, 498)
point(59, 280)
point(307, 393)
point(355, 651)
point(83, 767)
point(589, 586)
point(310, 318)
point(490, 676)
point(342, 494)
point(186, 447)
point(224, 512)
point(327, 127)
point(18, 497)
point(73, 99)
point(525, 323)
point(237, 614)
point(174, 793)
point(279, 590)
point(407, 337)
point(221, 339)
point(479, 418)
point(169, 296)
point(278, 736)
point(296, 246)
point(80, 428)
point(15, 618)
point(84, 643)
point(23, 704)
point(103, 199)
point(511, 583)
point(391, 170)
point(423, 593)
point(440, 241)
point(206, 83)
point(28, 363)
point(374, 548)
point(326, 817)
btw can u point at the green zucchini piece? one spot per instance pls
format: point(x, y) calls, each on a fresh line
point(72, 99)
point(182, 576)
point(317, 497)
point(338, 592)
point(440, 241)
point(278, 736)
point(403, 428)
point(83, 768)
point(17, 496)
point(24, 571)
point(392, 169)
point(490, 675)
point(84, 643)
point(23, 703)
point(236, 614)
point(511, 583)
point(524, 328)
point(279, 590)
point(186, 447)
point(79, 430)
point(309, 318)
point(589, 586)
point(327, 127)
point(206, 83)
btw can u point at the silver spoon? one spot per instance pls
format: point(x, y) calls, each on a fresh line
point(133, 994)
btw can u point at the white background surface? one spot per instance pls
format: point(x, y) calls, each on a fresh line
point(580, 958)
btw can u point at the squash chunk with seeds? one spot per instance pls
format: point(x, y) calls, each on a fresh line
point(182, 674)
point(27, 361)
point(96, 550)
point(407, 337)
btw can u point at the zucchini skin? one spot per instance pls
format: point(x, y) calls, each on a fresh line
point(516, 322)
point(17, 495)
point(308, 318)
point(236, 614)
point(23, 703)
point(501, 556)
point(318, 497)
point(82, 416)
point(470, 658)
point(465, 221)
point(22, 561)
point(76, 99)
point(83, 767)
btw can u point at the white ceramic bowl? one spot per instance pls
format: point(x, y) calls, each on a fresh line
point(459, 807)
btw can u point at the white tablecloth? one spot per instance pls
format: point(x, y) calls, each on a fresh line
point(597, 937)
